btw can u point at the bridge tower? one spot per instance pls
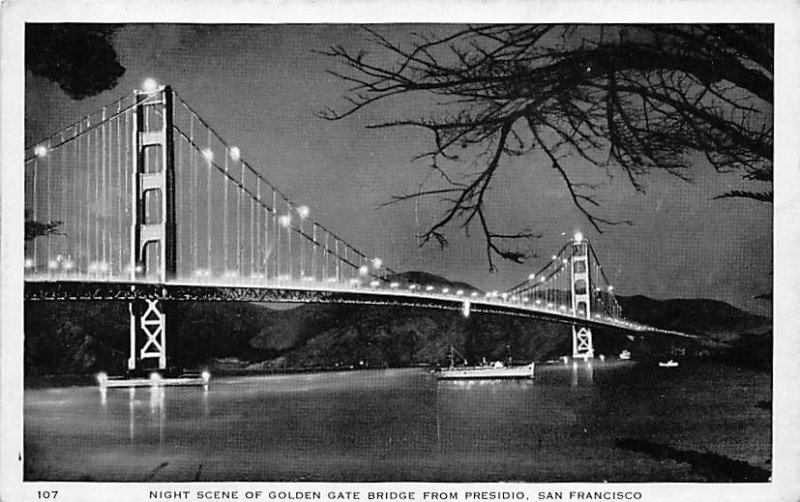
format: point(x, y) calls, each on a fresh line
point(153, 238)
point(582, 345)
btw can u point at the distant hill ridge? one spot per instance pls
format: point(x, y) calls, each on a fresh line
point(423, 279)
point(713, 318)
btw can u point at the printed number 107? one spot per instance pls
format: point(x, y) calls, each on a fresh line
point(47, 494)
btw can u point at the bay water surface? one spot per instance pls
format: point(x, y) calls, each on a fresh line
point(571, 423)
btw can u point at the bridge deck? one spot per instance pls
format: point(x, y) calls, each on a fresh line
point(298, 292)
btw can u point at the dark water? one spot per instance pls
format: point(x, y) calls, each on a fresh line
point(393, 425)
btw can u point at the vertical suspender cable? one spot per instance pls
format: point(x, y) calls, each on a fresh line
point(49, 205)
point(180, 199)
point(96, 174)
point(336, 261)
point(244, 225)
point(277, 235)
point(34, 202)
point(289, 236)
point(106, 200)
point(63, 169)
point(89, 151)
point(225, 216)
point(325, 263)
point(314, 252)
point(252, 237)
point(193, 202)
point(118, 184)
point(239, 265)
point(76, 207)
point(259, 247)
point(208, 202)
point(302, 252)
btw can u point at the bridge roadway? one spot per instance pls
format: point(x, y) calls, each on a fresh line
point(311, 292)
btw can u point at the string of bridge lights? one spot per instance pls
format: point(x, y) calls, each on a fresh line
point(292, 221)
point(286, 220)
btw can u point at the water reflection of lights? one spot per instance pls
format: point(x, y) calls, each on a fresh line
point(157, 409)
point(102, 378)
point(132, 413)
point(206, 408)
point(485, 384)
point(586, 369)
point(155, 379)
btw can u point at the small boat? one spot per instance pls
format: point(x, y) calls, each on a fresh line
point(496, 370)
point(486, 372)
point(668, 364)
point(155, 380)
point(625, 355)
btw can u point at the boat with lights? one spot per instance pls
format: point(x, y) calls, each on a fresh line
point(155, 380)
point(493, 371)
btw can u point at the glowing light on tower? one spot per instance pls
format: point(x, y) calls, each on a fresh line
point(578, 237)
point(235, 153)
point(149, 85)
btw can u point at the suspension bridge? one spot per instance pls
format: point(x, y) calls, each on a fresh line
point(149, 204)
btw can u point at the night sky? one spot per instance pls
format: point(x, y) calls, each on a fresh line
point(262, 86)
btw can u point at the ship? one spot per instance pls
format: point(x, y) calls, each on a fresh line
point(493, 371)
point(155, 380)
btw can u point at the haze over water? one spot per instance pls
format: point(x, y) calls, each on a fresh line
point(402, 425)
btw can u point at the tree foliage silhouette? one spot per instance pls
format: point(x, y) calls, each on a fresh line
point(630, 98)
point(80, 58)
point(34, 229)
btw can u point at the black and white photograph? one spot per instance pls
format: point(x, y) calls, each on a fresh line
point(257, 258)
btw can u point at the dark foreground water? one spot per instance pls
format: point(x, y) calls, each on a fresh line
point(603, 421)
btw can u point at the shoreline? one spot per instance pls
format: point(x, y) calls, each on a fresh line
point(83, 380)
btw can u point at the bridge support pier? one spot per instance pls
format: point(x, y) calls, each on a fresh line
point(582, 345)
point(148, 319)
point(153, 232)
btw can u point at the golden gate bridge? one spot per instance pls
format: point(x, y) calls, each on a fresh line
point(149, 204)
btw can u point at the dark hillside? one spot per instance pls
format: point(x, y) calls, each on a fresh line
point(706, 317)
